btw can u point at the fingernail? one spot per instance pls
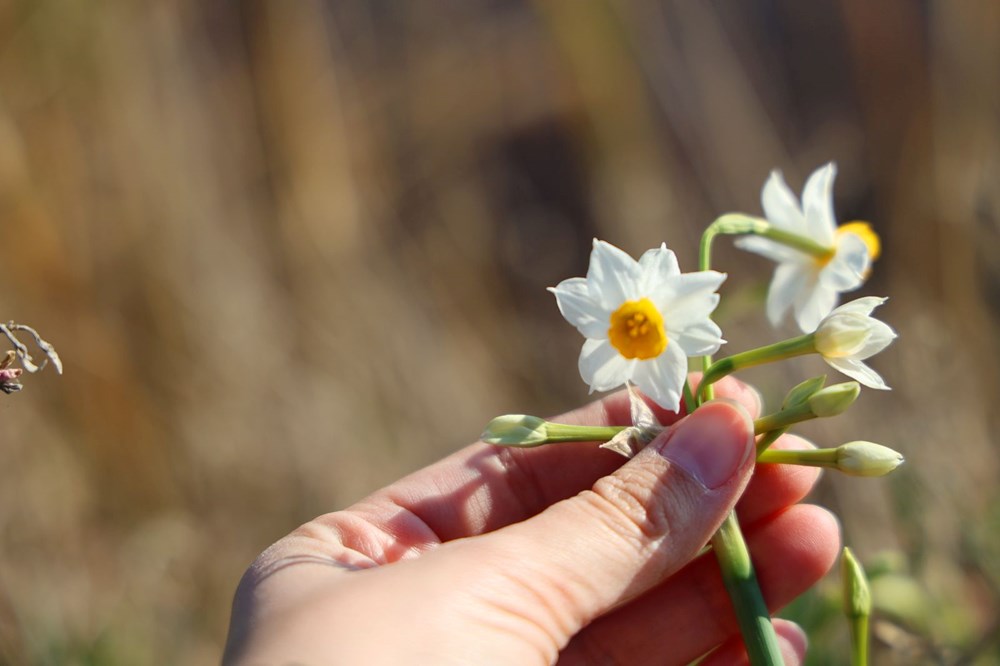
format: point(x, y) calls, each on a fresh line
point(710, 444)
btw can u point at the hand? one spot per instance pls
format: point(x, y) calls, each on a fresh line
point(533, 556)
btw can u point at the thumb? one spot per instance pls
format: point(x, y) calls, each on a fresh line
point(637, 526)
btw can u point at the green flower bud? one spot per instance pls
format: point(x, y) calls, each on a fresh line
point(857, 594)
point(802, 392)
point(834, 400)
point(516, 430)
point(867, 459)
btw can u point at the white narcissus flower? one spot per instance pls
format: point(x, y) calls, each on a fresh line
point(809, 283)
point(849, 335)
point(642, 319)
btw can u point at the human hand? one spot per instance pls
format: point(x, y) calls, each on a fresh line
point(555, 554)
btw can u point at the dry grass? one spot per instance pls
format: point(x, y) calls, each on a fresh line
point(289, 251)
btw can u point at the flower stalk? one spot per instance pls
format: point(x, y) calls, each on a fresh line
point(748, 603)
point(853, 458)
point(798, 346)
point(730, 547)
point(523, 431)
point(797, 242)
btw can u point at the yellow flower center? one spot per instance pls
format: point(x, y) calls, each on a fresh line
point(637, 330)
point(863, 230)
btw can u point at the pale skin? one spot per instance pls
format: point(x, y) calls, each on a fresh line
point(561, 554)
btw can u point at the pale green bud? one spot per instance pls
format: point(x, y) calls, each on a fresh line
point(857, 594)
point(516, 430)
point(867, 459)
point(801, 392)
point(834, 400)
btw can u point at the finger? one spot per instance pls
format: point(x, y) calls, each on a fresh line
point(691, 613)
point(482, 488)
point(792, 642)
point(585, 555)
point(774, 487)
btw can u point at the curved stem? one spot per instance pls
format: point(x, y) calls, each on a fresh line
point(705, 391)
point(728, 543)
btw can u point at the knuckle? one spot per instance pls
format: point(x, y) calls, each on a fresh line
point(635, 504)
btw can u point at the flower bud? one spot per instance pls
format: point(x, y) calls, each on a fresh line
point(515, 430)
point(834, 400)
point(802, 392)
point(857, 594)
point(867, 459)
point(857, 600)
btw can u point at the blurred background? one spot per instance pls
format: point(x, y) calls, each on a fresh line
point(290, 251)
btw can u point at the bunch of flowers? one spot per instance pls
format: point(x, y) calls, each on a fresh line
point(643, 320)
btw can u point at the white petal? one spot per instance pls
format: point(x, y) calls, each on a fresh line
point(688, 298)
point(863, 306)
point(613, 276)
point(881, 337)
point(688, 312)
point(662, 378)
point(859, 371)
point(770, 249)
point(602, 367)
point(579, 308)
point(785, 285)
point(813, 303)
point(697, 339)
point(817, 204)
point(657, 266)
point(846, 270)
point(780, 205)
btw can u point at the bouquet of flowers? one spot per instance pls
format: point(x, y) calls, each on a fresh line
point(643, 320)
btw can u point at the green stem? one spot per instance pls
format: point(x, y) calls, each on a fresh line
point(730, 548)
point(767, 439)
point(705, 391)
point(797, 242)
point(783, 419)
point(809, 457)
point(859, 640)
point(561, 432)
point(804, 344)
point(748, 603)
point(690, 404)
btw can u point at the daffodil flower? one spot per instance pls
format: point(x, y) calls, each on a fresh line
point(849, 335)
point(641, 320)
point(817, 260)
